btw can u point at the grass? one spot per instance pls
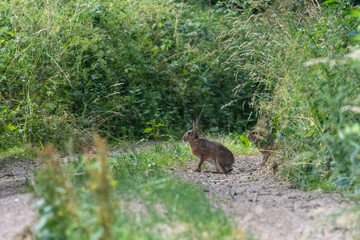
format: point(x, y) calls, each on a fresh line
point(71, 68)
point(301, 60)
point(16, 153)
point(128, 195)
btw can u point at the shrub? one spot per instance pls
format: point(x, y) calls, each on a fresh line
point(303, 85)
point(69, 68)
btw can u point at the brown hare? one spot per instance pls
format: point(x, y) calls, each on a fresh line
point(264, 144)
point(209, 151)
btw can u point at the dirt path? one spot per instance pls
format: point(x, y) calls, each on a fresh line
point(260, 203)
point(269, 208)
point(17, 212)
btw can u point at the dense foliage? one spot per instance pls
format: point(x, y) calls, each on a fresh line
point(300, 57)
point(145, 68)
point(119, 67)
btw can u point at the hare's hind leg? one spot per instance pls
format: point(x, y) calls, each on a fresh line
point(220, 167)
point(228, 169)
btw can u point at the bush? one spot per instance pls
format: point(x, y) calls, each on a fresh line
point(112, 66)
point(304, 87)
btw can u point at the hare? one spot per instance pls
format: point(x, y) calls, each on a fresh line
point(209, 151)
point(264, 144)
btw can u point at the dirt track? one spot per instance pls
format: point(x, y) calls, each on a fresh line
point(17, 212)
point(268, 208)
point(259, 202)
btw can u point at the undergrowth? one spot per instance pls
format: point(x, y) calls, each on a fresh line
point(143, 69)
point(302, 60)
point(71, 68)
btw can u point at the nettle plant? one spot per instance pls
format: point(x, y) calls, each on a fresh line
point(154, 130)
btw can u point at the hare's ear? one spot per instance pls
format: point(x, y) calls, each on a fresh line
point(195, 123)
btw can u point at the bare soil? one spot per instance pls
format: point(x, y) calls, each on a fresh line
point(269, 208)
point(17, 211)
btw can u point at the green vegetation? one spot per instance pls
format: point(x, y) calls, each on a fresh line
point(71, 68)
point(135, 70)
point(129, 196)
point(299, 60)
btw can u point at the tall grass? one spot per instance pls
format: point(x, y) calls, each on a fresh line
point(304, 86)
point(69, 68)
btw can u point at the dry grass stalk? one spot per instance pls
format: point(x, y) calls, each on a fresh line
point(102, 187)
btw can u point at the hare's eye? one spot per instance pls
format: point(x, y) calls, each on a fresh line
point(188, 133)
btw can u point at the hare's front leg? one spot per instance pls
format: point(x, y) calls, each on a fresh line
point(198, 169)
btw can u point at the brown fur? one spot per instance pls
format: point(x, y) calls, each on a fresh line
point(209, 151)
point(267, 150)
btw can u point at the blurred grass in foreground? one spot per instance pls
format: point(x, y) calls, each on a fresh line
point(128, 195)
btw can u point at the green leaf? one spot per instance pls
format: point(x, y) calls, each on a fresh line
point(147, 130)
point(11, 127)
point(159, 24)
point(12, 32)
point(244, 140)
point(341, 182)
point(329, 2)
